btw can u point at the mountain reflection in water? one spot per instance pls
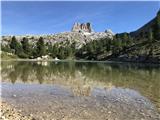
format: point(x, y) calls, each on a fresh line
point(82, 77)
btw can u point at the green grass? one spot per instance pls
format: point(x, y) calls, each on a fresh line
point(7, 56)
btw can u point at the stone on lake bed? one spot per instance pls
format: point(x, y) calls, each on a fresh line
point(14, 95)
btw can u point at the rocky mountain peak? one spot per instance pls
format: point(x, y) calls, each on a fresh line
point(82, 27)
point(109, 31)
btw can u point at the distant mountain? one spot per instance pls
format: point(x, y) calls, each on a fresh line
point(81, 33)
point(142, 45)
point(147, 48)
point(145, 30)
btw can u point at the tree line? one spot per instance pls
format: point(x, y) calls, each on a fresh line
point(89, 51)
point(24, 49)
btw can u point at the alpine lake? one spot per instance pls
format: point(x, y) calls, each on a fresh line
point(82, 90)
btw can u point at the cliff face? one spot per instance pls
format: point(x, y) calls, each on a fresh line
point(82, 27)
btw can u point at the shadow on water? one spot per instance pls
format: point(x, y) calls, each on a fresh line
point(79, 76)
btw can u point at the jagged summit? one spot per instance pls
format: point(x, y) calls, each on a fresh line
point(81, 33)
point(82, 27)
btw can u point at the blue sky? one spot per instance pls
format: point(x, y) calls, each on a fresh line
point(19, 18)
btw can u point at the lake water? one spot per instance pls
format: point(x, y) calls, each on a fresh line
point(92, 89)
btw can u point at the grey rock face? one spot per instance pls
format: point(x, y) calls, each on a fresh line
point(84, 27)
point(78, 38)
point(81, 34)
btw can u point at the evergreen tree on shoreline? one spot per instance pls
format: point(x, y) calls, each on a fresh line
point(40, 47)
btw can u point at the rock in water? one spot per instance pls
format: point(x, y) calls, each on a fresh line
point(82, 27)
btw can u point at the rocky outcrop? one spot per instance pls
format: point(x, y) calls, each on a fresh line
point(65, 37)
point(82, 27)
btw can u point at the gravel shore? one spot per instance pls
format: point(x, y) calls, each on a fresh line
point(8, 112)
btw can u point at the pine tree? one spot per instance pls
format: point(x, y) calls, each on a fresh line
point(150, 35)
point(49, 48)
point(15, 45)
point(40, 47)
point(25, 46)
point(156, 27)
point(54, 51)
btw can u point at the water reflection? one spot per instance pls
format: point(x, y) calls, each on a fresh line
point(83, 77)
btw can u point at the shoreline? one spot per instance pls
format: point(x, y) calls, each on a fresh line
point(85, 61)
